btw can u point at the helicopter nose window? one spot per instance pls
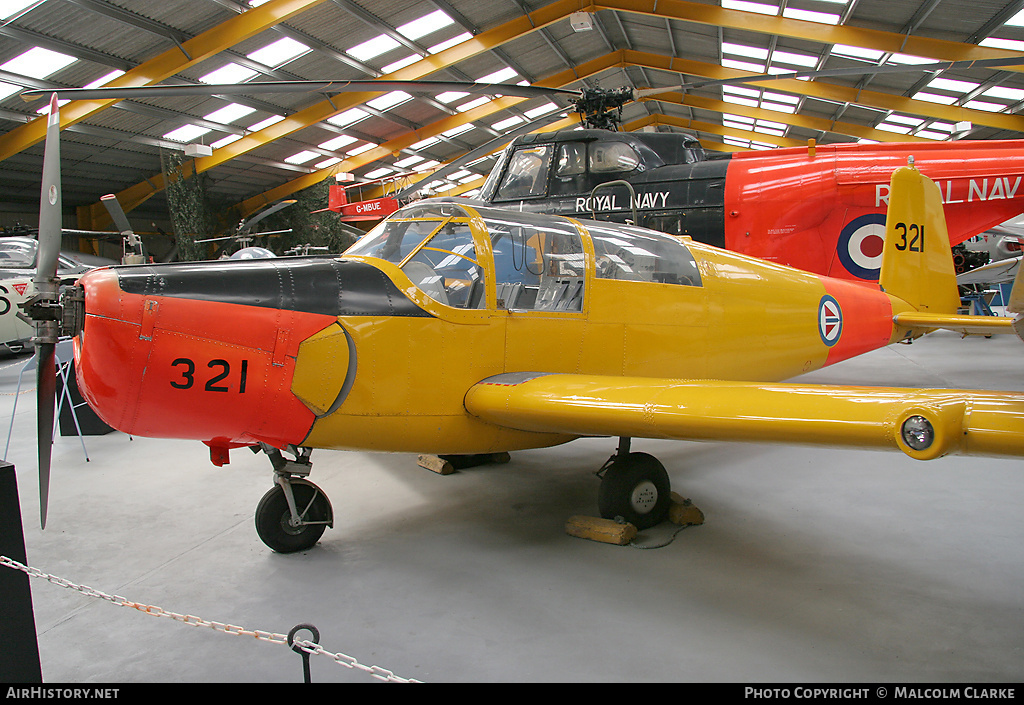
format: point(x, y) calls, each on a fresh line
point(635, 254)
point(527, 173)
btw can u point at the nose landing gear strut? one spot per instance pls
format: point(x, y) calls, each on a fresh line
point(292, 515)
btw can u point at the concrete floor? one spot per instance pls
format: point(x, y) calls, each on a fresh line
point(814, 565)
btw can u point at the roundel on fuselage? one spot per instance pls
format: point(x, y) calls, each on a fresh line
point(860, 246)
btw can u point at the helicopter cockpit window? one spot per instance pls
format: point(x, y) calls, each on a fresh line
point(607, 157)
point(527, 173)
point(636, 254)
point(538, 267)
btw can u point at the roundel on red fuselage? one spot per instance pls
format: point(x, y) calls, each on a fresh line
point(859, 248)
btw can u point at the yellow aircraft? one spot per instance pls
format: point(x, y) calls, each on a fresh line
point(453, 329)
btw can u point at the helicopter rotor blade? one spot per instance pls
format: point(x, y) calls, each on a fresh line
point(331, 87)
point(246, 224)
point(44, 308)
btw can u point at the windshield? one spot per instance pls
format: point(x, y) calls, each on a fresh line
point(433, 244)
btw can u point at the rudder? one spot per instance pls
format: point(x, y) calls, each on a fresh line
point(917, 262)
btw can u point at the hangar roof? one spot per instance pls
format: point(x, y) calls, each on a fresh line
point(267, 146)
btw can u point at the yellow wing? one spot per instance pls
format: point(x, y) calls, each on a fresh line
point(924, 424)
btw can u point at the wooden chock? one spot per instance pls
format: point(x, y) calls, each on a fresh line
point(682, 511)
point(603, 530)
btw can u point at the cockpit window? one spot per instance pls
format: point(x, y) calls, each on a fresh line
point(446, 269)
point(636, 254)
point(539, 265)
point(433, 244)
point(612, 157)
point(527, 173)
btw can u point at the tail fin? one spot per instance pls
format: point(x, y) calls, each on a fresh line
point(917, 264)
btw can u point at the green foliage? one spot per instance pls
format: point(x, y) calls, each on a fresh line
point(190, 211)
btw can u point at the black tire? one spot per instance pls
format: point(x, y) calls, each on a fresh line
point(636, 488)
point(272, 517)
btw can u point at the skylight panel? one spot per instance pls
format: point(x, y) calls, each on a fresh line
point(997, 43)
point(229, 113)
point(263, 124)
point(904, 120)
point(373, 47)
point(449, 96)
point(360, 149)
point(424, 143)
point(507, 123)
point(928, 134)
point(1017, 20)
point(498, 76)
point(984, 105)
point(852, 52)
point(742, 90)
point(736, 100)
point(38, 62)
point(232, 73)
point(953, 86)
point(909, 59)
point(780, 98)
point(744, 50)
point(482, 100)
point(401, 63)
point(377, 173)
point(540, 110)
point(101, 81)
point(888, 127)
point(778, 107)
point(330, 161)
point(429, 164)
point(810, 16)
point(787, 57)
point(349, 117)
point(186, 133)
point(280, 52)
point(334, 143)
point(935, 98)
point(737, 118)
point(743, 65)
point(389, 100)
point(458, 130)
point(7, 89)
point(302, 157)
point(428, 24)
point(1003, 92)
point(225, 141)
point(750, 7)
point(408, 161)
point(769, 131)
point(448, 44)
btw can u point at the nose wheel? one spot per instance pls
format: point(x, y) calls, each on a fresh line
point(636, 487)
point(292, 515)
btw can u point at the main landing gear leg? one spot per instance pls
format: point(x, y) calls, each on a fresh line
point(292, 515)
point(634, 486)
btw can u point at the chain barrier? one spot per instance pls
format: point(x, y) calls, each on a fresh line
point(306, 646)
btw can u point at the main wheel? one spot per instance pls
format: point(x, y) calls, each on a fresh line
point(273, 518)
point(636, 488)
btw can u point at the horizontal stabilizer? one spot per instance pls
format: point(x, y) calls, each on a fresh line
point(964, 325)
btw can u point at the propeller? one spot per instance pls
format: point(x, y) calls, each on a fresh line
point(43, 308)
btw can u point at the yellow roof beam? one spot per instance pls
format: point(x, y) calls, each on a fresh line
point(793, 120)
point(162, 66)
point(891, 42)
point(485, 41)
point(829, 91)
